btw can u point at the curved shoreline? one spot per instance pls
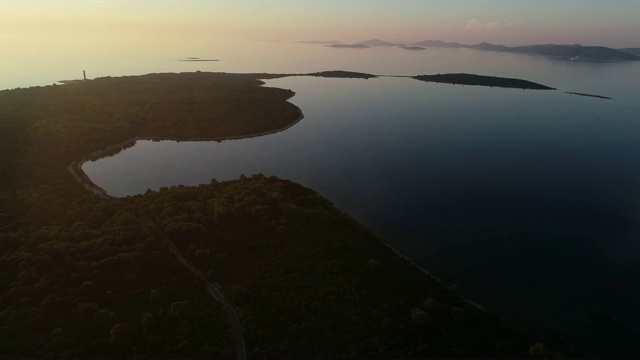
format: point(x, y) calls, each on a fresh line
point(214, 289)
point(75, 168)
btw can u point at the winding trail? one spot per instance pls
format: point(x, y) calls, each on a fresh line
point(75, 168)
point(214, 289)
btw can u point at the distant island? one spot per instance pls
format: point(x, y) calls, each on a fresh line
point(575, 52)
point(479, 80)
point(413, 48)
point(348, 46)
point(342, 74)
point(632, 51)
point(570, 52)
point(197, 59)
point(376, 42)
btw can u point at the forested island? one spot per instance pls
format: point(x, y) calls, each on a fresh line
point(480, 80)
point(84, 275)
point(342, 74)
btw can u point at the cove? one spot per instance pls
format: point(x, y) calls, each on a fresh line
point(527, 200)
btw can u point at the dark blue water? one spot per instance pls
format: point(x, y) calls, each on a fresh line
point(529, 200)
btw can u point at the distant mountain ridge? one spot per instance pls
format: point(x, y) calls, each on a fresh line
point(377, 42)
point(438, 43)
point(572, 52)
point(569, 52)
point(632, 51)
point(348, 46)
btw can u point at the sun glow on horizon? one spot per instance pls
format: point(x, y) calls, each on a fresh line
point(108, 35)
point(588, 22)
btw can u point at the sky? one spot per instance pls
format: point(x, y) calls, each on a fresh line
point(613, 23)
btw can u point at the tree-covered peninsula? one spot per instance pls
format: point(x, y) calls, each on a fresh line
point(84, 275)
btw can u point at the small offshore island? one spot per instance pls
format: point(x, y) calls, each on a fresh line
point(412, 48)
point(85, 275)
point(348, 46)
point(197, 59)
point(479, 80)
point(341, 74)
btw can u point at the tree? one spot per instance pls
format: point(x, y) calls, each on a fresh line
point(538, 351)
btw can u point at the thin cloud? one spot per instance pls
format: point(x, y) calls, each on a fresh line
point(475, 25)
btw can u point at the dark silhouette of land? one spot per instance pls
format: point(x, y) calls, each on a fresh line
point(438, 43)
point(571, 52)
point(479, 80)
point(348, 46)
point(377, 42)
point(342, 74)
point(632, 51)
point(575, 52)
point(588, 95)
point(414, 48)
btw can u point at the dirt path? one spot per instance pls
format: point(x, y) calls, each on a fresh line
point(213, 288)
point(75, 168)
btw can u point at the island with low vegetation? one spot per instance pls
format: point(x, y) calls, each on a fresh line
point(342, 74)
point(480, 80)
point(254, 267)
point(413, 48)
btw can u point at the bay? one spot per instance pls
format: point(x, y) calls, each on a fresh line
point(529, 200)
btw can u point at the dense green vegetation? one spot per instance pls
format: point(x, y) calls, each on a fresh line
point(309, 276)
point(83, 275)
point(480, 80)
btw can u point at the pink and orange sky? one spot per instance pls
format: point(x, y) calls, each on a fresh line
point(611, 23)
